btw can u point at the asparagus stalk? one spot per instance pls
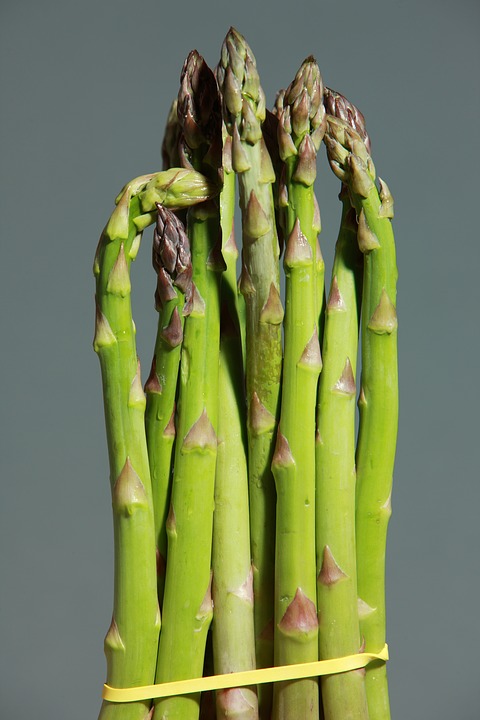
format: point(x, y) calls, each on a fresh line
point(233, 627)
point(187, 605)
point(378, 401)
point(232, 589)
point(172, 262)
point(270, 133)
point(160, 388)
point(244, 111)
point(343, 695)
point(296, 624)
point(231, 296)
point(131, 642)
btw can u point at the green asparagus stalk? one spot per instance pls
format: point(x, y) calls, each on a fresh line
point(244, 111)
point(132, 640)
point(233, 626)
point(296, 624)
point(160, 388)
point(187, 605)
point(280, 199)
point(232, 588)
point(378, 401)
point(172, 263)
point(343, 695)
point(231, 296)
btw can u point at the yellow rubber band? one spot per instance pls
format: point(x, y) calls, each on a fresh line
point(245, 678)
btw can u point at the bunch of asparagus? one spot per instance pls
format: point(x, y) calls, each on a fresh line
point(249, 519)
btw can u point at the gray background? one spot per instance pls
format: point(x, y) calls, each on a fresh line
point(85, 89)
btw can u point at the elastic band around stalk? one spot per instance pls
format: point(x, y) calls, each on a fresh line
point(244, 678)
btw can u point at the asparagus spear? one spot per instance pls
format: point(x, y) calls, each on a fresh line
point(231, 295)
point(343, 695)
point(232, 589)
point(187, 606)
point(244, 111)
point(378, 401)
point(131, 642)
point(172, 262)
point(161, 385)
point(233, 627)
point(296, 625)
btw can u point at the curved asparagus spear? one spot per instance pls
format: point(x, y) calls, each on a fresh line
point(187, 605)
point(132, 640)
point(173, 265)
point(378, 401)
point(296, 625)
point(244, 111)
point(343, 695)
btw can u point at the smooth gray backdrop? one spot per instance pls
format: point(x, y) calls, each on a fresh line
point(85, 89)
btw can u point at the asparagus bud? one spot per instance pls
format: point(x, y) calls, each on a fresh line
point(175, 188)
point(198, 111)
point(338, 106)
point(302, 112)
point(171, 250)
point(301, 127)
